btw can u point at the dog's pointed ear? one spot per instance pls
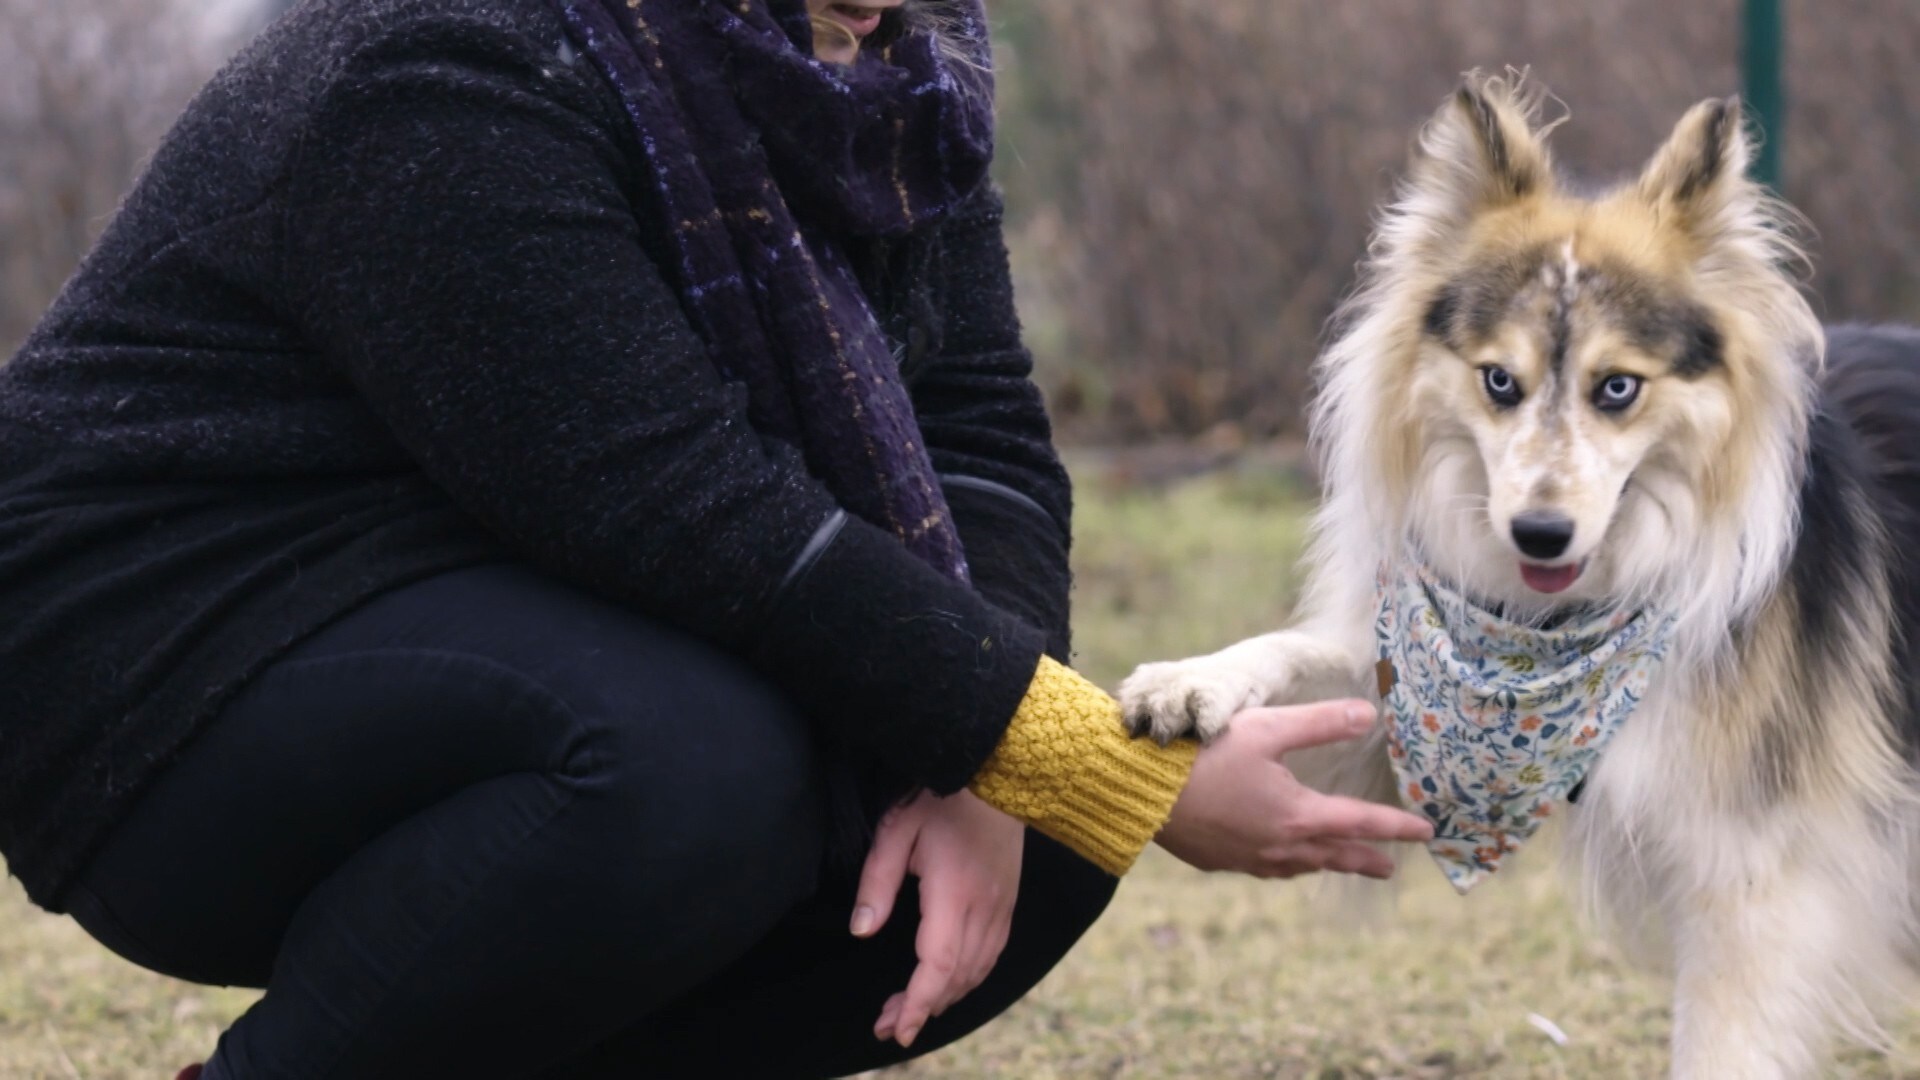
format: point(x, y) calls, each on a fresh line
point(1700, 175)
point(1480, 152)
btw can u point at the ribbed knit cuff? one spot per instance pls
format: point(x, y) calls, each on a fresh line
point(1067, 767)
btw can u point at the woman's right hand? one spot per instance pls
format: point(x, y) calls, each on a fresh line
point(1244, 810)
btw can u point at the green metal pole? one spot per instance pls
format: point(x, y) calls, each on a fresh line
point(1760, 63)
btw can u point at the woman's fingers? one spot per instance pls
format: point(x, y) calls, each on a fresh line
point(1306, 856)
point(982, 938)
point(987, 933)
point(889, 1017)
point(1337, 817)
point(1289, 868)
point(973, 938)
point(1297, 727)
point(1339, 856)
point(966, 856)
point(885, 871)
point(1353, 857)
point(938, 946)
point(1334, 833)
point(1244, 810)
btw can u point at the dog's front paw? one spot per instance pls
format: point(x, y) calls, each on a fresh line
point(1179, 698)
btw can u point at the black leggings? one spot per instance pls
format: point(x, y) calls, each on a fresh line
point(488, 826)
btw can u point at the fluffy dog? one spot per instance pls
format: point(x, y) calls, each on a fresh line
point(1568, 405)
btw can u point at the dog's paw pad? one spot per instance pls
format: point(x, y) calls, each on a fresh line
point(1185, 698)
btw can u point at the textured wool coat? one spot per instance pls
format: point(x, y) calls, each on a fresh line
point(388, 302)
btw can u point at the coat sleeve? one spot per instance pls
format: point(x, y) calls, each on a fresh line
point(987, 430)
point(463, 242)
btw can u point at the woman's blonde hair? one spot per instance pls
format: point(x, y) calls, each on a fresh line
point(825, 28)
point(936, 17)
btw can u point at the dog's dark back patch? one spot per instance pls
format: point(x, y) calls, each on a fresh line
point(1872, 389)
point(1830, 573)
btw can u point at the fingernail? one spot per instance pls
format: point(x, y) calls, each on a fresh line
point(1360, 716)
point(862, 921)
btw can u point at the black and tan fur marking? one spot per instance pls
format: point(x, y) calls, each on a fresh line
point(1721, 118)
point(1872, 393)
point(1467, 310)
point(1518, 175)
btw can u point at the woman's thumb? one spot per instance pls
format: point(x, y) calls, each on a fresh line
point(885, 871)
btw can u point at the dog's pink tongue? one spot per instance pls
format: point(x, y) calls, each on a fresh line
point(1549, 579)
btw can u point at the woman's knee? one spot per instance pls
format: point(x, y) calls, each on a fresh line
point(707, 768)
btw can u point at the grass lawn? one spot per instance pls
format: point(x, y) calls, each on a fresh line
point(1189, 976)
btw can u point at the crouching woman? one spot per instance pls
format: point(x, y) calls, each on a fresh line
point(533, 521)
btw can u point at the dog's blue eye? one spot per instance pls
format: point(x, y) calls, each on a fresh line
point(1502, 388)
point(1616, 392)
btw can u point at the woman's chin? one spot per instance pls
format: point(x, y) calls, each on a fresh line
point(836, 53)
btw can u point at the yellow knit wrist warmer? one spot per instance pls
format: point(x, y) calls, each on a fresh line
point(1067, 767)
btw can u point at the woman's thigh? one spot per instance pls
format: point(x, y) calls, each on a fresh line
point(431, 691)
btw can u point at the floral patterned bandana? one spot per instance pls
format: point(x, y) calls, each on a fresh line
point(1492, 721)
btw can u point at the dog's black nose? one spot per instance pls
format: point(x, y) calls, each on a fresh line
point(1542, 534)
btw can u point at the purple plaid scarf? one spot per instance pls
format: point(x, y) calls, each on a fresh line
point(765, 162)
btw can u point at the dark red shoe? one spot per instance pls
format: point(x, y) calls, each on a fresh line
point(191, 1072)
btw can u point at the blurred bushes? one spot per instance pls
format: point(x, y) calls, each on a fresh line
point(1193, 181)
point(87, 87)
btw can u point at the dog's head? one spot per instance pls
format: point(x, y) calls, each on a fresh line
point(1562, 396)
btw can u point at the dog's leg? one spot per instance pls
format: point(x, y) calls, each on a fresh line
point(1199, 696)
point(1327, 654)
point(1768, 961)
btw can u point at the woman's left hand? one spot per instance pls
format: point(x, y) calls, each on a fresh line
point(967, 856)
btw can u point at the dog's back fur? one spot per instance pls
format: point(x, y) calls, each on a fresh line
point(1872, 392)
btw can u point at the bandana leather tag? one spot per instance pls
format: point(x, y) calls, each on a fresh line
point(1492, 721)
